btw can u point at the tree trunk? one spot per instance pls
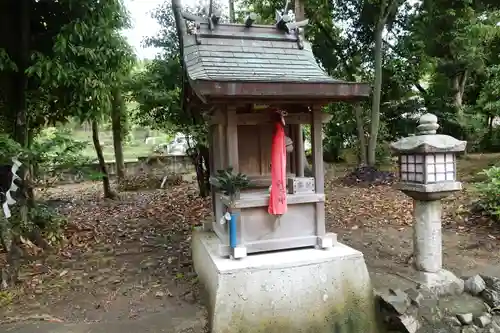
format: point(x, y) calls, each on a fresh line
point(117, 110)
point(377, 92)
point(299, 10)
point(11, 237)
point(108, 193)
point(358, 113)
point(458, 83)
point(32, 175)
point(232, 17)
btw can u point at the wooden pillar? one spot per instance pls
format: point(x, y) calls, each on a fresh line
point(211, 141)
point(219, 150)
point(240, 250)
point(317, 150)
point(232, 139)
point(219, 160)
point(319, 175)
point(299, 151)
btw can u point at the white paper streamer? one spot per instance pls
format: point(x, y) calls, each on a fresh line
point(6, 210)
point(13, 187)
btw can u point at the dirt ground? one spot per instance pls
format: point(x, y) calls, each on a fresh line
point(122, 260)
point(130, 259)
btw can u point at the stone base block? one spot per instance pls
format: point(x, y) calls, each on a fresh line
point(441, 283)
point(307, 290)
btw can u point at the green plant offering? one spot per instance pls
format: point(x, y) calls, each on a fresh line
point(230, 183)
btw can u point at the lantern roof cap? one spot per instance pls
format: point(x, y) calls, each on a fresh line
point(427, 141)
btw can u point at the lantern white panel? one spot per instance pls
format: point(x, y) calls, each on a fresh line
point(440, 177)
point(450, 157)
point(404, 159)
point(411, 159)
point(439, 158)
point(411, 177)
point(404, 167)
point(411, 167)
point(450, 167)
point(419, 159)
point(450, 176)
point(440, 168)
point(431, 168)
point(431, 178)
point(404, 176)
point(419, 178)
point(419, 168)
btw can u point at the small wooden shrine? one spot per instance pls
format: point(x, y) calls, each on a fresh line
point(237, 75)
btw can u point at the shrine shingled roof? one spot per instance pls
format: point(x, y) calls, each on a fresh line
point(247, 60)
point(259, 53)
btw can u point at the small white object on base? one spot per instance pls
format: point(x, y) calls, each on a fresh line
point(442, 283)
point(238, 252)
point(327, 241)
point(290, 291)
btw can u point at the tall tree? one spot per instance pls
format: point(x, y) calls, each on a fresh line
point(387, 9)
point(66, 71)
point(157, 89)
point(462, 35)
point(119, 129)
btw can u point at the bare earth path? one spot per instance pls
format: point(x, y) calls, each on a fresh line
point(126, 266)
point(125, 263)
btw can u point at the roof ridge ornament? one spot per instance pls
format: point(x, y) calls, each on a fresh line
point(251, 18)
point(428, 124)
point(213, 19)
point(284, 23)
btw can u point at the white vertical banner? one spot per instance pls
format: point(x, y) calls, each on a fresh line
point(13, 187)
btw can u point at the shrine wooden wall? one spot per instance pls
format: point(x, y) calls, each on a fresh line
point(254, 149)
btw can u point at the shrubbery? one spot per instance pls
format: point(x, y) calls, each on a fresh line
point(489, 192)
point(51, 153)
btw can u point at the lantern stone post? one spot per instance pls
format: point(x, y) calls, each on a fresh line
point(427, 170)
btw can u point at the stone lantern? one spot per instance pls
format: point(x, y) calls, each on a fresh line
point(428, 173)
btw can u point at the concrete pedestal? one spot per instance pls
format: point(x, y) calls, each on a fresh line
point(308, 290)
point(427, 247)
point(427, 242)
point(441, 283)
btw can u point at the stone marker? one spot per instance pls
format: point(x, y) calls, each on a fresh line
point(482, 321)
point(452, 321)
point(465, 318)
point(474, 285)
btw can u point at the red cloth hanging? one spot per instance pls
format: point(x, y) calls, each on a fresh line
point(277, 199)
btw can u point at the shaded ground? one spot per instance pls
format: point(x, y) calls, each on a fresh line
point(127, 264)
point(122, 260)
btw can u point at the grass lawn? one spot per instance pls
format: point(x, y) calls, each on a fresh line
point(133, 149)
